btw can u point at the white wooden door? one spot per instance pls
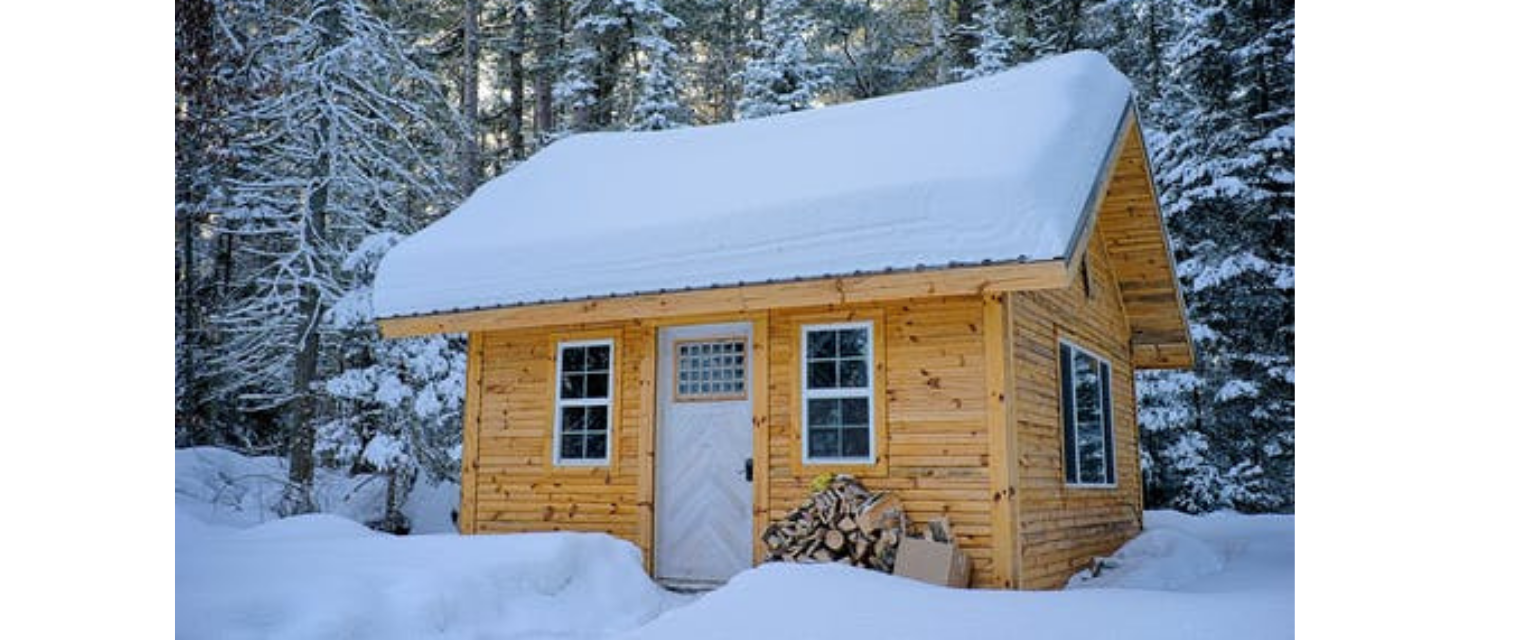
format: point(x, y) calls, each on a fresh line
point(703, 444)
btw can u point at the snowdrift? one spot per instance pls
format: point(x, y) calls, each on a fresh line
point(321, 576)
point(1187, 578)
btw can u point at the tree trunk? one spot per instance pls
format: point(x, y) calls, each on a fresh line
point(299, 496)
point(546, 46)
point(963, 45)
point(726, 85)
point(194, 68)
point(1073, 26)
point(469, 99)
point(937, 33)
point(515, 80)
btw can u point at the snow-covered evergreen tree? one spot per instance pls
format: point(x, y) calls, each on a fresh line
point(782, 74)
point(395, 404)
point(345, 140)
point(993, 49)
point(1225, 166)
point(656, 104)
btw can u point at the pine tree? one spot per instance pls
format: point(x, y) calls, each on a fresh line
point(993, 49)
point(396, 403)
point(343, 142)
point(710, 43)
point(1225, 166)
point(470, 169)
point(198, 136)
point(656, 105)
point(782, 75)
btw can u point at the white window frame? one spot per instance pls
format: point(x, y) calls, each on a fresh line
point(807, 393)
point(562, 403)
point(1106, 417)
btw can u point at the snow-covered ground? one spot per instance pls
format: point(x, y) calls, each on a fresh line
point(241, 573)
point(1186, 578)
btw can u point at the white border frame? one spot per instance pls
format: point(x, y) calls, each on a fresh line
point(1107, 419)
point(560, 403)
point(807, 393)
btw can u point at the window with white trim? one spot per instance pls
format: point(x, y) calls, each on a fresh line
point(837, 393)
point(583, 402)
point(1088, 441)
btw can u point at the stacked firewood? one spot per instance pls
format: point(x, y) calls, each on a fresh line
point(844, 522)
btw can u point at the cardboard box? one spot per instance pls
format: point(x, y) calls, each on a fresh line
point(940, 563)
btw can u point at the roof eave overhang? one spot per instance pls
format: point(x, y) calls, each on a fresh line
point(1161, 352)
point(746, 298)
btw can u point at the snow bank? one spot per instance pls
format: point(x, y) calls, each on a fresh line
point(1247, 593)
point(1157, 559)
point(995, 169)
point(322, 576)
point(241, 572)
point(220, 488)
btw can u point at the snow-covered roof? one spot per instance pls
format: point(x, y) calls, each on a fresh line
point(998, 169)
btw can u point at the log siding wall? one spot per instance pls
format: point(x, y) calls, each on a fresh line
point(934, 449)
point(1062, 528)
point(932, 446)
point(517, 486)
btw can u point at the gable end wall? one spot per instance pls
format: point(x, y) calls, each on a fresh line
point(1061, 528)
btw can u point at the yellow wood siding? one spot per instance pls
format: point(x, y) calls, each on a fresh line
point(1062, 528)
point(933, 444)
point(935, 447)
point(1136, 248)
point(517, 485)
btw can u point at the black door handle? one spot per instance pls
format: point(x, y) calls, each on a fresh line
point(746, 469)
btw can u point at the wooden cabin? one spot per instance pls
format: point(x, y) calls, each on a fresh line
point(945, 293)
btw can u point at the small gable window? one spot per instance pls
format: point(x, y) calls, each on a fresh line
point(583, 402)
point(1088, 444)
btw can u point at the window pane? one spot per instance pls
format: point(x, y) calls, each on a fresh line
point(571, 359)
point(850, 374)
point(855, 412)
point(1068, 414)
point(711, 369)
point(1085, 383)
point(572, 385)
point(1090, 453)
point(597, 446)
point(823, 412)
point(823, 443)
point(597, 418)
point(570, 446)
point(852, 343)
point(597, 385)
point(597, 358)
point(571, 419)
point(821, 344)
point(1106, 406)
point(855, 442)
point(823, 375)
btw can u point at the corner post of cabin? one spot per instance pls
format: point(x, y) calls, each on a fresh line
point(760, 422)
point(1002, 442)
point(470, 452)
point(645, 481)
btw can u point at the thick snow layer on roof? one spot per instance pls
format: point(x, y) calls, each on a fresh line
point(995, 169)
